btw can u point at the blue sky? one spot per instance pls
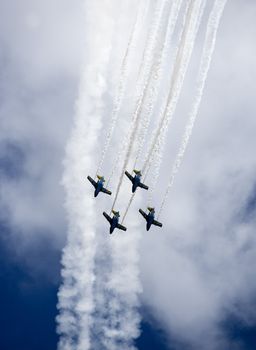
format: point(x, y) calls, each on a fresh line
point(197, 274)
point(29, 301)
point(28, 307)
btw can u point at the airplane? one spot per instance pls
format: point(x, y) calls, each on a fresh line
point(114, 221)
point(99, 185)
point(150, 218)
point(136, 180)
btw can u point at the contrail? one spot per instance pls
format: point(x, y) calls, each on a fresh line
point(147, 70)
point(76, 293)
point(142, 75)
point(121, 326)
point(157, 75)
point(150, 46)
point(122, 82)
point(128, 207)
point(208, 49)
point(180, 67)
point(75, 296)
point(184, 53)
point(192, 18)
point(123, 286)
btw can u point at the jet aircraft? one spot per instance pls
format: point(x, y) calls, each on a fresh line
point(136, 180)
point(99, 185)
point(114, 221)
point(150, 218)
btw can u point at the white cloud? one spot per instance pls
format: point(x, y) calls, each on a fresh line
point(198, 268)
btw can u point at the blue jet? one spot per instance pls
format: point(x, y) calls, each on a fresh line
point(150, 218)
point(136, 180)
point(114, 221)
point(99, 185)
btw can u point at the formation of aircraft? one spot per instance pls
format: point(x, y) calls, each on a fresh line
point(114, 220)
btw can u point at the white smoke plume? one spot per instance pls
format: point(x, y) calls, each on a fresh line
point(122, 288)
point(208, 49)
point(122, 82)
point(151, 44)
point(189, 33)
point(156, 76)
point(155, 82)
point(76, 300)
point(122, 325)
point(185, 47)
point(79, 301)
point(145, 72)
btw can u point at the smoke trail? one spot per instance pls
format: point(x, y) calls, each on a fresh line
point(121, 326)
point(75, 297)
point(180, 67)
point(128, 207)
point(158, 153)
point(156, 76)
point(142, 75)
point(192, 18)
point(122, 83)
point(184, 53)
point(210, 40)
point(147, 70)
point(150, 46)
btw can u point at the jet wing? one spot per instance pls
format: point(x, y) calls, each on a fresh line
point(106, 191)
point(143, 214)
point(129, 175)
point(107, 217)
point(143, 186)
point(94, 183)
point(121, 227)
point(157, 223)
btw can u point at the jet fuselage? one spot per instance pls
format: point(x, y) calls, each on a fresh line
point(98, 187)
point(150, 219)
point(114, 224)
point(135, 182)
